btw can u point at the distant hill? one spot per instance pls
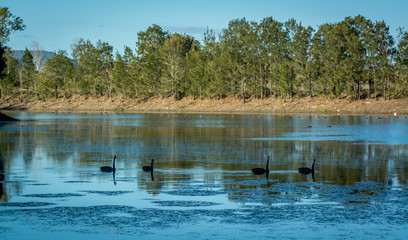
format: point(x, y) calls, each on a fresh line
point(18, 54)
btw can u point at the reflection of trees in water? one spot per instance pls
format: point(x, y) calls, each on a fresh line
point(232, 144)
point(7, 151)
point(151, 182)
point(3, 195)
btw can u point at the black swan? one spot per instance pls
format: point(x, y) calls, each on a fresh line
point(261, 170)
point(109, 169)
point(306, 170)
point(148, 168)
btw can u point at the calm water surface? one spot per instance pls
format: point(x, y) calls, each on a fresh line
point(202, 186)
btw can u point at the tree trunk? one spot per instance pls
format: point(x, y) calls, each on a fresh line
point(384, 89)
point(375, 90)
point(20, 89)
point(359, 91)
point(262, 81)
point(243, 90)
point(369, 88)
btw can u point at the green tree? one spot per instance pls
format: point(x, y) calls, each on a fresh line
point(274, 41)
point(370, 57)
point(299, 54)
point(94, 67)
point(58, 74)
point(234, 53)
point(286, 75)
point(119, 75)
point(386, 51)
point(125, 75)
point(10, 75)
point(401, 60)
point(134, 83)
point(8, 24)
point(354, 63)
point(104, 57)
point(27, 74)
point(213, 84)
point(173, 56)
point(148, 45)
point(195, 65)
point(328, 53)
point(83, 53)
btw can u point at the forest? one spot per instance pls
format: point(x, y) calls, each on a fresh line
point(356, 58)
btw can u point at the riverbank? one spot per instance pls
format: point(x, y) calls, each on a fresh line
point(316, 105)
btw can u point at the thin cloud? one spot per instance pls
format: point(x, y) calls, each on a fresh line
point(25, 36)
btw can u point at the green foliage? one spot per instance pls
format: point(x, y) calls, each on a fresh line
point(402, 63)
point(356, 57)
point(173, 58)
point(10, 80)
point(9, 24)
point(195, 72)
point(27, 74)
point(94, 65)
point(148, 47)
point(57, 75)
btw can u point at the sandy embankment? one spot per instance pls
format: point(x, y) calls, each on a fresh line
point(316, 105)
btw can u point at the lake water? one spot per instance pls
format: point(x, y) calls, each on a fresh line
point(202, 186)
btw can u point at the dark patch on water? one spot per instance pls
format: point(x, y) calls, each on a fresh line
point(54, 195)
point(4, 229)
point(358, 201)
point(125, 220)
point(252, 182)
point(366, 192)
point(192, 192)
point(313, 193)
point(101, 217)
point(108, 193)
point(77, 182)
point(10, 181)
point(26, 204)
point(185, 203)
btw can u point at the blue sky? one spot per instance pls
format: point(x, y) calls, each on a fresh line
point(56, 24)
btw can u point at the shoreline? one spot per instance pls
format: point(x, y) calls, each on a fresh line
point(229, 105)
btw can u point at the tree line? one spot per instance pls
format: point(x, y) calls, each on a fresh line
point(356, 58)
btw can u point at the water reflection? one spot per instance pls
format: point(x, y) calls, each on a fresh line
point(215, 150)
point(3, 196)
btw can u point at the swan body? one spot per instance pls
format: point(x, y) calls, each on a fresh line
point(108, 168)
point(306, 170)
point(148, 168)
point(261, 170)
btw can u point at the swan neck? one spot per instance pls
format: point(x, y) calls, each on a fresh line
point(313, 166)
point(267, 165)
point(113, 164)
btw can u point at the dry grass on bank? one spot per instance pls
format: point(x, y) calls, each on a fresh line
point(315, 105)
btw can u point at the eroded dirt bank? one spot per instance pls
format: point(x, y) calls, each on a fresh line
point(317, 105)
